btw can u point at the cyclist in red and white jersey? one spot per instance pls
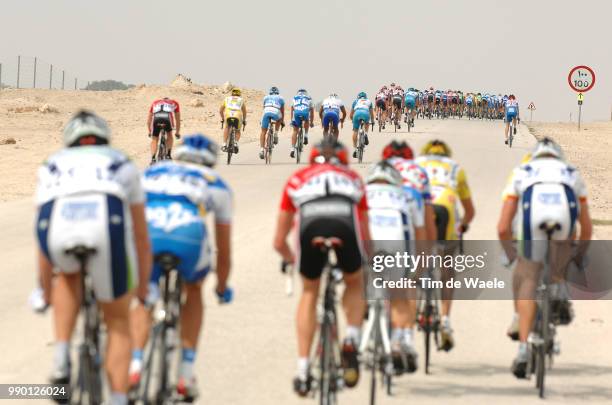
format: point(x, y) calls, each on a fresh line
point(329, 200)
point(381, 105)
point(166, 113)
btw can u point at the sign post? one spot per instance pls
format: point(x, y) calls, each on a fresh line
point(531, 108)
point(581, 79)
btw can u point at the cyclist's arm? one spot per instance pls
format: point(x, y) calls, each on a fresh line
point(283, 227)
point(177, 116)
point(149, 121)
point(430, 222)
point(321, 112)
point(352, 114)
point(244, 112)
point(343, 113)
point(282, 113)
point(312, 115)
point(371, 114)
point(143, 248)
point(504, 226)
point(223, 241)
point(221, 111)
point(468, 211)
point(584, 219)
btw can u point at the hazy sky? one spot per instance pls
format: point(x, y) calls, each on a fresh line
point(521, 46)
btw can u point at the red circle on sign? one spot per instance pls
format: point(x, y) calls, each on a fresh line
point(569, 79)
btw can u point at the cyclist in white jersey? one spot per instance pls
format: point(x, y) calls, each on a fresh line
point(545, 189)
point(90, 194)
point(332, 112)
point(395, 215)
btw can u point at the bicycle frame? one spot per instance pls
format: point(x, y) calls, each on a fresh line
point(428, 317)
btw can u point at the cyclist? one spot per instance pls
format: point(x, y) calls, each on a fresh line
point(542, 189)
point(511, 114)
point(396, 215)
point(361, 110)
point(233, 111)
point(330, 201)
point(274, 110)
point(381, 105)
point(302, 111)
point(397, 99)
point(448, 184)
point(178, 193)
point(90, 194)
point(164, 113)
point(410, 102)
point(331, 113)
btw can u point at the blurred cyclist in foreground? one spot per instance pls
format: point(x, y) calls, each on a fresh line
point(179, 193)
point(90, 194)
point(325, 188)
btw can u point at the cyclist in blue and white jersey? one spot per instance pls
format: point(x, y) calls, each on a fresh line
point(302, 111)
point(330, 114)
point(511, 113)
point(361, 110)
point(179, 194)
point(273, 110)
point(410, 102)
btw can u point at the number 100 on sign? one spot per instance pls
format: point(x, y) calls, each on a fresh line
point(581, 79)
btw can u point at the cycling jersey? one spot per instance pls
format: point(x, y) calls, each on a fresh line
point(393, 213)
point(332, 106)
point(361, 108)
point(302, 104)
point(232, 108)
point(329, 200)
point(548, 189)
point(179, 195)
point(413, 176)
point(165, 109)
point(511, 109)
point(273, 105)
point(84, 196)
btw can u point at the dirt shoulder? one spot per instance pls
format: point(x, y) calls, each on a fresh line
point(589, 150)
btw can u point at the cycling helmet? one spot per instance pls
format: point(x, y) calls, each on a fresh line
point(236, 92)
point(274, 90)
point(511, 97)
point(547, 148)
point(362, 95)
point(329, 151)
point(436, 147)
point(333, 95)
point(393, 84)
point(383, 171)
point(302, 92)
point(198, 149)
point(86, 124)
point(398, 149)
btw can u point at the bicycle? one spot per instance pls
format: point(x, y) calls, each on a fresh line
point(361, 141)
point(375, 346)
point(89, 376)
point(428, 316)
point(299, 143)
point(330, 379)
point(162, 152)
point(543, 334)
point(232, 147)
point(163, 339)
point(269, 142)
point(512, 132)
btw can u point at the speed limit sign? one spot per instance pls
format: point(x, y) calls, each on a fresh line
point(581, 79)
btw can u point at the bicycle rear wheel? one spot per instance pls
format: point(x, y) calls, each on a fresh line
point(327, 377)
point(375, 363)
point(161, 149)
point(230, 147)
point(543, 348)
point(300, 143)
point(269, 146)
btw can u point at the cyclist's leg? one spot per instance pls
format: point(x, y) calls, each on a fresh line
point(169, 142)
point(154, 141)
point(265, 123)
point(66, 299)
point(117, 359)
point(226, 130)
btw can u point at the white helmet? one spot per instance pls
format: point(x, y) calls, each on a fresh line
point(85, 123)
point(547, 148)
point(383, 171)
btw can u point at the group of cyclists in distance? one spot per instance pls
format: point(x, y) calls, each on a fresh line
point(91, 193)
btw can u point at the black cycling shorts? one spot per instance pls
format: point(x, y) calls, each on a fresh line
point(161, 120)
point(442, 219)
point(381, 104)
point(233, 122)
point(328, 217)
point(397, 102)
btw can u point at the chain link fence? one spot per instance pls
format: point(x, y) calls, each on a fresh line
point(30, 72)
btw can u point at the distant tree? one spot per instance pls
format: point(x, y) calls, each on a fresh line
point(107, 85)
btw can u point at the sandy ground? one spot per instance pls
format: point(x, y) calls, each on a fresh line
point(589, 150)
point(247, 351)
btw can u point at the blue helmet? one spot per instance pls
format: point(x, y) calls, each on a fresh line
point(302, 92)
point(197, 148)
point(362, 95)
point(274, 90)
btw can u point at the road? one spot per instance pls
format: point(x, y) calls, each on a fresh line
point(247, 351)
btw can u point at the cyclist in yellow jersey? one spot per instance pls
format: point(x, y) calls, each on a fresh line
point(448, 187)
point(233, 113)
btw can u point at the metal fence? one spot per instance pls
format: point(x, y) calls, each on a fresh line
point(31, 72)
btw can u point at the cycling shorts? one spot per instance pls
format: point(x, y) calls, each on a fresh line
point(410, 103)
point(380, 103)
point(161, 120)
point(178, 229)
point(397, 102)
point(328, 217)
point(269, 116)
point(97, 221)
point(330, 116)
point(360, 115)
point(544, 202)
point(233, 122)
point(299, 117)
point(455, 100)
point(430, 98)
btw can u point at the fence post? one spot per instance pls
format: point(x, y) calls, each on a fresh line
point(34, 84)
point(18, 69)
point(50, 77)
point(63, 78)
